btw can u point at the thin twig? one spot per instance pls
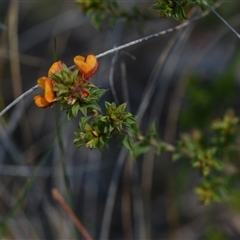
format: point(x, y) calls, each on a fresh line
point(58, 198)
point(115, 49)
point(223, 20)
point(17, 100)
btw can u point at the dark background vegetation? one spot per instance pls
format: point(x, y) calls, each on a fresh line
point(185, 78)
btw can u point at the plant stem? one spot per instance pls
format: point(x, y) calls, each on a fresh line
point(58, 198)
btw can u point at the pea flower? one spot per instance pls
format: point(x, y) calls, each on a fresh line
point(88, 66)
point(56, 67)
point(47, 99)
point(46, 83)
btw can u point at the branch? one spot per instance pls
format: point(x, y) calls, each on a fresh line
point(58, 198)
point(126, 45)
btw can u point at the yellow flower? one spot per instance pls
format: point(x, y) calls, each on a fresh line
point(88, 66)
point(48, 97)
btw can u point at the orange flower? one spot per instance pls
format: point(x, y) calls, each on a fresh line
point(46, 84)
point(48, 98)
point(87, 66)
point(56, 67)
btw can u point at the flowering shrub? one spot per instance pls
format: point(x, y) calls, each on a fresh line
point(212, 154)
point(177, 9)
point(112, 11)
point(73, 91)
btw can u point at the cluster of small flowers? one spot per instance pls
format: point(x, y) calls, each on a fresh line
point(86, 68)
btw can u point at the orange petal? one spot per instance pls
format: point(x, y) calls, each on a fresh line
point(78, 59)
point(80, 62)
point(92, 61)
point(85, 92)
point(41, 82)
point(49, 93)
point(56, 67)
point(88, 67)
point(84, 67)
point(41, 101)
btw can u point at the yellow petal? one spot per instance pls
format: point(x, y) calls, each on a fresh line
point(56, 67)
point(41, 101)
point(49, 93)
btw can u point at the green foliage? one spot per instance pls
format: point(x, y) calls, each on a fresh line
point(110, 12)
point(177, 9)
point(138, 144)
point(212, 154)
point(96, 132)
point(76, 95)
point(212, 190)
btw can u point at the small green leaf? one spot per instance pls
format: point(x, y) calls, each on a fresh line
point(84, 121)
point(139, 148)
point(83, 109)
point(75, 109)
point(127, 143)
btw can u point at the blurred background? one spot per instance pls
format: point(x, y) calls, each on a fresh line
point(182, 80)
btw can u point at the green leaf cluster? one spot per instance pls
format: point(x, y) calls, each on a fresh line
point(75, 94)
point(213, 190)
point(97, 127)
point(110, 12)
point(212, 154)
point(96, 131)
point(177, 9)
point(138, 144)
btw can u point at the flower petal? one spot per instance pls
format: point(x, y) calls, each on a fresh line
point(92, 61)
point(80, 63)
point(85, 92)
point(87, 66)
point(56, 67)
point(41, 101)
point(49, 93)
point(41, 82)
point(78, 59)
